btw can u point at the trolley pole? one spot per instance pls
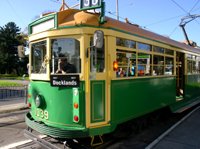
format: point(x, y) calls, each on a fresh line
point(62, 8)
point(117, 9)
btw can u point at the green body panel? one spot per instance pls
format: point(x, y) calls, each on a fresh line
point(58, 102)
point(191, 93)
point(136, 97)
point(97, 101)
point(192, 87)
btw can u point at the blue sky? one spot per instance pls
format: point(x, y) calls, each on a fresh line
point(160, 16)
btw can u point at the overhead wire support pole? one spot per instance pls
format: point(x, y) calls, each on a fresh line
point(184, 21)
point(117, 9)
point(62, 8)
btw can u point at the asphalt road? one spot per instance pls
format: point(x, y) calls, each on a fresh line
point(12, 128)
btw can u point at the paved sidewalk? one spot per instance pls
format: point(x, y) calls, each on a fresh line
point(11, 105)
point(183, 135)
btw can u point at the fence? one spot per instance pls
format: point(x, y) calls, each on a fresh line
point(13, 92)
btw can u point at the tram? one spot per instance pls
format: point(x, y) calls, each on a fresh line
point(90, 73)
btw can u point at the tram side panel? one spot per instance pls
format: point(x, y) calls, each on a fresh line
point(192, 87)
point(135, 97)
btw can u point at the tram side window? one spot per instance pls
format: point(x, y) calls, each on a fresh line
point(38, 62)
point(144, 46)
point(189, 67)
point(193, 64)
point(144, 64)
point(126, 63)
point(158, 49)
point(65, 56)
point(97, 58)
point(158, 68)
point(198, 65)
point(169, 63)
point(169, 52)
point(125, 43)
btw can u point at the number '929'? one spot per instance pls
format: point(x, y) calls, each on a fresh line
point(42, 114)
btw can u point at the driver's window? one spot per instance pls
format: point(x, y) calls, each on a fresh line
point(65, 56)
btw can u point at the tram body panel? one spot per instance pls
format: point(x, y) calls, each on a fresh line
point(136, 97)
point(57, 105)
point(192, 86)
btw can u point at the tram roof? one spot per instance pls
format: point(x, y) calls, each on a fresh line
point(74, 17)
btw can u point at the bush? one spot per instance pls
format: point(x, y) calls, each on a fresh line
point(4, 83)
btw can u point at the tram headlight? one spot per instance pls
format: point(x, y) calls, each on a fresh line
point(38, 101)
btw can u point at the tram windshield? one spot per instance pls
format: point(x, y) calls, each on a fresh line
point(65, 56)
point(38, 57)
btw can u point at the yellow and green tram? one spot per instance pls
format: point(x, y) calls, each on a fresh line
point(117, 72)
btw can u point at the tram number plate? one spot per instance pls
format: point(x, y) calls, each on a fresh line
point(44, 114)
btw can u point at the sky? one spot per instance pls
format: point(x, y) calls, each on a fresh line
point(159, 16)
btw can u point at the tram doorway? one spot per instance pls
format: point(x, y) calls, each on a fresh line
point(180, 79)
point(97, 107)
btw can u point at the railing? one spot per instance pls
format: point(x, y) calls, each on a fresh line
point(13, 92)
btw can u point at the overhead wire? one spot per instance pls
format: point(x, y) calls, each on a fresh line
point(164, 20)
point(173, 31)
point(188, 13)
point(179, 6)
point(14, 11)
point(194, 6)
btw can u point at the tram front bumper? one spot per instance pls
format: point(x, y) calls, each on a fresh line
point(53, 131)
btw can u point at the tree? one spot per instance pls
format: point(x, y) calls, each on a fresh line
point(10, 38)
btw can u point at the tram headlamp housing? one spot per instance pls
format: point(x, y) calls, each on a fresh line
point(38, 101)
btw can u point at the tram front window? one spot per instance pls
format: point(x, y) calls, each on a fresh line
point(38, 57)
point(65, 56)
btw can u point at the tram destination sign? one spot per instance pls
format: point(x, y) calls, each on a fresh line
point(65, 80)
point(90, 4)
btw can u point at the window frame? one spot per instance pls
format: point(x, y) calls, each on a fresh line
point(167, 53)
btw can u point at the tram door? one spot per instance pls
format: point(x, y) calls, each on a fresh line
point(180, 65)
point(98, 103)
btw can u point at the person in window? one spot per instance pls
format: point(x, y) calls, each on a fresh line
point(120, 72)
point(131, 70)
point(64, 66)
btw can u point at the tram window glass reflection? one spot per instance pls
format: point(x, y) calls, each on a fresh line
point(144, 46)
point(125, 43)
point(97, 58)
point(193, 64)
point(158, 49)
point(144, 64)
point(189, 66)
point(126, 63)
point(38, 57)
point(169, 52)
point(198, 65)
point(65, 53)
point(169, 63)
point(158, 68)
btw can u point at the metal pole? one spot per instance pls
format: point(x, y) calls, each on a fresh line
point(117, 9)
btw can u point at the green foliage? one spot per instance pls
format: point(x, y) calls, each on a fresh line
point(13, 77)
point(10, 39)
point(4, 83)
